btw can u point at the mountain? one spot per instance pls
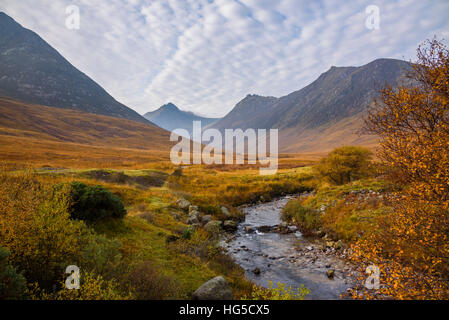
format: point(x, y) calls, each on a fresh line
point(325, 114)
point(170, 117)
point(32, 71)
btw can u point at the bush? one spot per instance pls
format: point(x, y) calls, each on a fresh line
point(307, 218)
point(148, 283)
point(90, 203)
point(345, 164)
point(12, 283)
point(35, 227)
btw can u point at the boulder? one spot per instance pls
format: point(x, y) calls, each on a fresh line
point(193, 208)
point(205, 219)
point(183, 204)
point(193, 219)
point(230, 225)
point(213, 226)
point(265, 229)
point(215, 289)
point(225, 211)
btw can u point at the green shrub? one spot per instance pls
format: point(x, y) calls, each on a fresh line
point(307, 218)
point(187, 233)
point(12, 283)
point(90, 203)
point(345, 164)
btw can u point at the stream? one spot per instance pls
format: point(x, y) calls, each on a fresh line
point(287, 258)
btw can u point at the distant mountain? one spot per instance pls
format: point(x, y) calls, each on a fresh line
point(32, 71)
point(323, 115)
point(170, 117)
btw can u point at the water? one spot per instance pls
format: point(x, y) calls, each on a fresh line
point(287, 258)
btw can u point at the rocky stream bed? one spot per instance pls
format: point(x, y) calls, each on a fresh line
point(287, 257)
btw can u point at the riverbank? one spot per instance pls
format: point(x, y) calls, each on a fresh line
point(288, 257)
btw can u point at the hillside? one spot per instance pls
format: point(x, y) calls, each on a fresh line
point(54, 136)
point(32, 71)
point(170, 117)
point(323, 115)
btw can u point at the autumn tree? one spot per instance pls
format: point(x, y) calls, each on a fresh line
point(411, 246)
point(345, 164)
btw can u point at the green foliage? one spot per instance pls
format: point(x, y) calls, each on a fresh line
point(90, 203)
point(12, 283)
point(345, 164)
point(307, 218)
point(280, 293)
point(187, 233)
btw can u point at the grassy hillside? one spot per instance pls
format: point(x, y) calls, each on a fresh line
point(58, 137)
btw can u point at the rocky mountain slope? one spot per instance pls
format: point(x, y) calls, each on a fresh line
point(325, 114)
point(34, 72)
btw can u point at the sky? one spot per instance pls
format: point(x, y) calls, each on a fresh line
point(207, 55)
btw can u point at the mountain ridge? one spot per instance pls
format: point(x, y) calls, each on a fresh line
point(34, 72)
point(339, 95)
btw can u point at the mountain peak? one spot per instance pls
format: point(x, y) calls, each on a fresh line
point(32, 71)
point(169, 106)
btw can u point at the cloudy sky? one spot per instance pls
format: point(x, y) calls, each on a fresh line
point(206, 55)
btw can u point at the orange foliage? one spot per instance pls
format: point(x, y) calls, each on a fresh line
point(411, 247)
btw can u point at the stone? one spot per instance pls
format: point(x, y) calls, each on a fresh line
point(205, 219)
point(193, 220)
point(256, 271)
point(225, 211)
point(193, 208)
point(215, 289)
point(230, 225)
point(338, 245)
point(330, 273)
point(330, 244)
point(265, 229)
point(183, 204)
point(213, 226)
point(249, 229)
point(283, 227)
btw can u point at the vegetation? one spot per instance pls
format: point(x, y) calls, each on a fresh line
point(122, 227)
point(150, 253)
point(345, 164)
point(90, 203)
point(305, 217)
point(412, 247)
point(398, 222)
point(12, 283)
point(281, 292)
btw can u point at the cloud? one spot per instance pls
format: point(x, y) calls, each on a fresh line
point(207, 55)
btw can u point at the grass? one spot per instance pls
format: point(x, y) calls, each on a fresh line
point(153, 217)
point(344, 212)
